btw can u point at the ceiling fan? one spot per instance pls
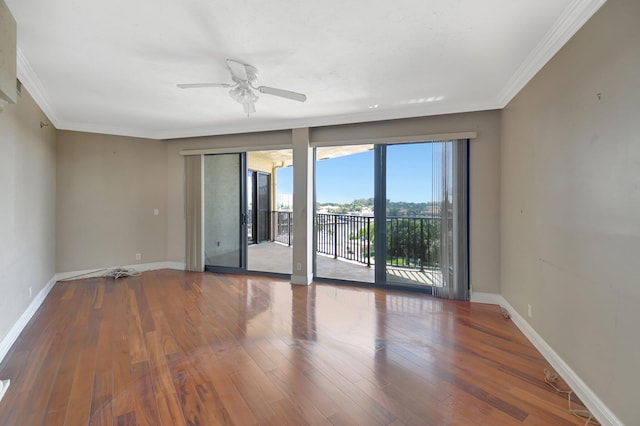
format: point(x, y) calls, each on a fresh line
point(244, 76)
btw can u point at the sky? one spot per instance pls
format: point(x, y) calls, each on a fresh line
point(344, 179)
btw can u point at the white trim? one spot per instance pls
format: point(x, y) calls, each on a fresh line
point(577, 13)
point(233, 150)
point(416, 111)
point(87, 273)
point(302, 279)
point(30, 80)
point(174, 265)
point(397, 140)
point(22, 322)
point(490, 298)
point(316, 144)
point(140, 267)
point(4, 385)
point(12, 335)
point(597, 407)
point(278, 124)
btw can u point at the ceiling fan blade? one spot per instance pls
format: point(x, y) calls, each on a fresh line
point(199, 85)
point(238, 70)
point(283, 93)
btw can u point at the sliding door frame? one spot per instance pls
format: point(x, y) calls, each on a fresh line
point(380, 216)
point(242, 218)
point(380, 212)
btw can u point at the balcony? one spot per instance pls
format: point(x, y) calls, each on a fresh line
point(345, 248)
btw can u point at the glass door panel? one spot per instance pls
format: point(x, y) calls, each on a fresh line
point(418, 178)
point(412, 232)
point(270, 250)
point(224, 230)
point(250, 230)
point(263, 207)
point(344, 225)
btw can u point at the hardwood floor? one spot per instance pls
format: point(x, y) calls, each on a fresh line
point(180, 348)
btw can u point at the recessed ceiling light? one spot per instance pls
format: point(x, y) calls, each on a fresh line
point(416, 101)
point(422, 100)
point(373, 106)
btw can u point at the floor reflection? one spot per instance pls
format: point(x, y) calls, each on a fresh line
point(205, 348)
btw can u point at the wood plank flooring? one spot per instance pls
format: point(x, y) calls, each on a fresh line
point(180, 348)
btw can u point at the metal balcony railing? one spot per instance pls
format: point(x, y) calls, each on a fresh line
point(412, 242)
point(283, 226)
point(346, 236)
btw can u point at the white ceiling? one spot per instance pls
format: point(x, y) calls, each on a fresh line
point(112, 66)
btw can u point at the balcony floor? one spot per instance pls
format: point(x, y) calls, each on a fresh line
point(275, 257)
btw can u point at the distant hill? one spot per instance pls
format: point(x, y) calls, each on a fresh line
point(394, 208)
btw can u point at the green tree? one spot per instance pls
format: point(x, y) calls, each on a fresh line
point(413, 242)
point(410, 242)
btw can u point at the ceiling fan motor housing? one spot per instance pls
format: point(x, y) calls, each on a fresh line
point(252, 74)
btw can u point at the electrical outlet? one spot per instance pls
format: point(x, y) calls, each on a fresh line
point(138, 256)
point(29, 292)
point(156, 212)
point(298, 266)
point(529, 311)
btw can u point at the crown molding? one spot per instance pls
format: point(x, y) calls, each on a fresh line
point(286, 124)
point(34, 86)
point(333, 120)
point(572, 19)
point(574, 16)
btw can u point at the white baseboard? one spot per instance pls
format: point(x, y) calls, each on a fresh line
point(302, 279)
point(141, 267)
point(174, 265)
point(17, 328)
point(598, 408)
point(489, 298)
point(4, 385)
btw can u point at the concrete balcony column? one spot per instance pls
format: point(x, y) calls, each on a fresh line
point(302, 208)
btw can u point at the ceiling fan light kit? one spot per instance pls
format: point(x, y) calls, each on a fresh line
point(244, 77)
point(244, 96)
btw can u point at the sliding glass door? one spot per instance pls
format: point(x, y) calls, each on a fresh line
point(258, 207)
point(422, 202)
point(416, 235)
point(344, 219)
point(262, 216)
point(224, 212)
point(425, 215)
point(237, 213)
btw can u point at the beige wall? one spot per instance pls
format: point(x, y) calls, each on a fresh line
point(27, 207)
point(570, 204)
point(108, 188)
